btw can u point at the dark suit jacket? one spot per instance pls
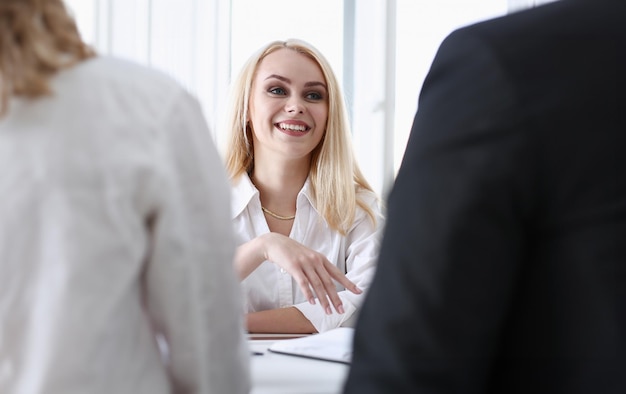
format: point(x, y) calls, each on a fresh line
point(503, 263)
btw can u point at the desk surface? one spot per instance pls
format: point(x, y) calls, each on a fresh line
point(282, 374)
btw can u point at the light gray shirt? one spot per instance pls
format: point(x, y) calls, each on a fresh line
point(114, 231)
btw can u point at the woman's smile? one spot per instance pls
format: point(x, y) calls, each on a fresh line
point(293, 127)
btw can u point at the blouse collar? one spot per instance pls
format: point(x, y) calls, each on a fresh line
point(244, 191)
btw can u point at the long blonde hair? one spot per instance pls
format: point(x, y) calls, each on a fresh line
point(335, 175)
point(37, 39)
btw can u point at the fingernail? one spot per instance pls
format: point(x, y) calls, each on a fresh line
point(329, 311)
point(358, 289)
point(340, 309)
point(312, 301)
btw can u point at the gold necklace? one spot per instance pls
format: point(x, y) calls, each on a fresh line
point(272, 214)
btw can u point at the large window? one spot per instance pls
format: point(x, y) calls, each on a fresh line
point(421, 26)
point(380, 50)
point(255, 23)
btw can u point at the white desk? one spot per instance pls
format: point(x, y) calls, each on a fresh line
point(281, 374)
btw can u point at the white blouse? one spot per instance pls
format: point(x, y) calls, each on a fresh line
point(113, 205)
point(270, 287)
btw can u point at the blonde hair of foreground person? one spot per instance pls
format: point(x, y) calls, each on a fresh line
point(334, 170)
point(30, 53)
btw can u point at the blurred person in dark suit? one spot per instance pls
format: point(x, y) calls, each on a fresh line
point(503, 264)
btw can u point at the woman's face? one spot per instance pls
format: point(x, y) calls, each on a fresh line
point(288, 105)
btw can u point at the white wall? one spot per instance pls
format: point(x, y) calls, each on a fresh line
point(384, 48)
point(187, 39)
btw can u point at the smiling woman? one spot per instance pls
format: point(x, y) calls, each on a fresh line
point(303, 212)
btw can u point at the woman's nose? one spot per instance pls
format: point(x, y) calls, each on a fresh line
point(294, 105)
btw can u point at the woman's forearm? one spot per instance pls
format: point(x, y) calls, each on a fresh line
point(248, 257)
point(284, 320)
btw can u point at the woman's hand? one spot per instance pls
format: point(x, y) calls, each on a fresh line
point(311, 270)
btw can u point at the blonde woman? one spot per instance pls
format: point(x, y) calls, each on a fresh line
point(113, 208)
point(307, 221)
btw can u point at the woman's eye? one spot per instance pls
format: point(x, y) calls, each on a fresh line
point(314, 96)
point(279, 91)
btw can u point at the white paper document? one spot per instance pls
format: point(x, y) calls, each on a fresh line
point(333, 345)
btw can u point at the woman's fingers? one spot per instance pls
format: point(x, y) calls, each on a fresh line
point(323, 285)
point(320, 290)
point(331, 292)
point(303, 283)
point(340, 277)
point(319, 277)
point(311, 270)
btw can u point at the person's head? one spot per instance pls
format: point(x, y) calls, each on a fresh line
point(327, 113)
point(334, 173)
point(288, 106)
point(37, 39)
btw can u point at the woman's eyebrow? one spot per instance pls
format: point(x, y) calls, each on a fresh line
point(279, 77)
point(315, 83)
point(287, 80)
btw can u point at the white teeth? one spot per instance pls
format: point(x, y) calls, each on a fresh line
point(293, 127)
